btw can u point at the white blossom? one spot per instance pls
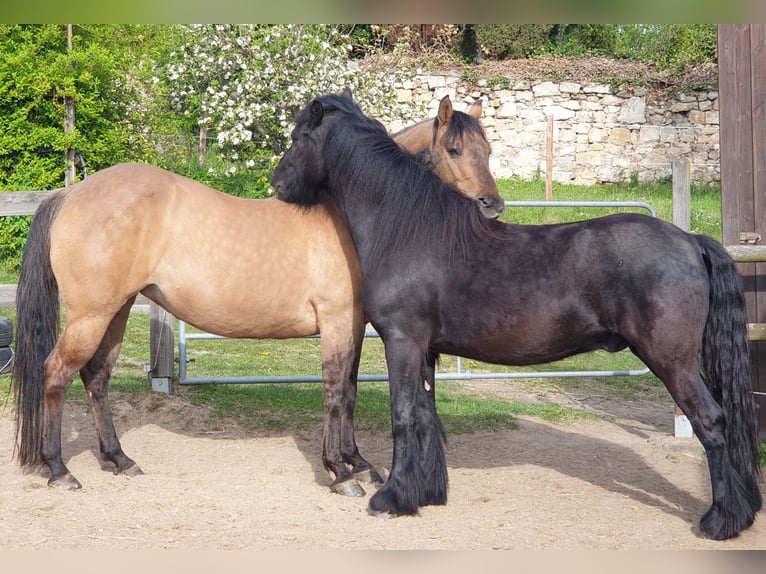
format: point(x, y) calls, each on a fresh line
point(249, 76)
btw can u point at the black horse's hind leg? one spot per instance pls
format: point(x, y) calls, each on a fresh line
point(95, 376)
point(732, 507)
point(733, 494)
point(419, 471)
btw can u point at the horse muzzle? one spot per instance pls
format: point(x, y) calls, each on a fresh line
point(491, 207)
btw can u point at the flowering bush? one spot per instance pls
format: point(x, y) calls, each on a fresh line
point(245, 82)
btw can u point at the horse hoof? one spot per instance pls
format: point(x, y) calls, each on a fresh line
point(131, 471)
point(369, 475)
point(348, 487)
point(379, 513)
point(65, 482)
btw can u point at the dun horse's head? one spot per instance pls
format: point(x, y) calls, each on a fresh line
point(459, 153)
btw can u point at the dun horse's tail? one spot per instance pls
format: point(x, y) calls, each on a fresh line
point(726, 359)
point(37, 325)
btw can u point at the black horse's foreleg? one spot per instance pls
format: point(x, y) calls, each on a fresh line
point(430, 439)
point(418, 471)
point(95, 376)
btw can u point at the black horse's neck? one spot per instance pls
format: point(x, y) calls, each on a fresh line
point(393, 201)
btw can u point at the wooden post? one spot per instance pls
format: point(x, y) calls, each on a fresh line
point(682, 218)
point(69, 173)
point(161, 352)
point(202, 157)
point(682, 192)
point(549, 160)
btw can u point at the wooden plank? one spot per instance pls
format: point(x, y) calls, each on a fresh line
point(740, 68)
point(20, 202)
point(735, 134)
point(756, 331)
point(747, 253)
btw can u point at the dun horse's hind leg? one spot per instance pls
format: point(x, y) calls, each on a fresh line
point(75, 347)
point(95, 376)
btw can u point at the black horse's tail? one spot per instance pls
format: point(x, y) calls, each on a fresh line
point(726, 359)
point(37, 325)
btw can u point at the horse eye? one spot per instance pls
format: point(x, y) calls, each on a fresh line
point(454, 152)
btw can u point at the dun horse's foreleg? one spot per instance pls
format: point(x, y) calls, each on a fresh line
point(95, 376)
point(340, 454)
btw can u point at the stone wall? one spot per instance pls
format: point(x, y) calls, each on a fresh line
point(600, 134)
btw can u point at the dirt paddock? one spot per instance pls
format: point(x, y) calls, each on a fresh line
point(620, 482)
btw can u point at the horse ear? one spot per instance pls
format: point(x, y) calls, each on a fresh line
point(347, 93)
point(316, 113)
point(475, 110)
point(445, 110)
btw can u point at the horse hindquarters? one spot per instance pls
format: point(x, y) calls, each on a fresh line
point(720, 404)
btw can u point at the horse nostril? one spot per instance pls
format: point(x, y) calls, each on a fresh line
point(491, 207)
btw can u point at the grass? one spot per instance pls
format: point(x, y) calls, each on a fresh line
point(279, 406)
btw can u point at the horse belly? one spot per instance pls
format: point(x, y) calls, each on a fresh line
point(536, 334)
point(238, 312)
point(257, 290)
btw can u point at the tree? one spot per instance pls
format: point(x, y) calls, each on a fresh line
point(669, 45)
point(38, 76)
point(245, 82)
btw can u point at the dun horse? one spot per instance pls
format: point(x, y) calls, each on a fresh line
point(230, 266)
point(437, 278)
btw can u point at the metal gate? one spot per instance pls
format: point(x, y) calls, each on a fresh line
point(459, 374)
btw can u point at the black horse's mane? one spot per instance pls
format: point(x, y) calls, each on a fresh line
point(414, 207)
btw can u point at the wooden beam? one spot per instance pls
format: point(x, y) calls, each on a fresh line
point(747, 253)
point(20, 202)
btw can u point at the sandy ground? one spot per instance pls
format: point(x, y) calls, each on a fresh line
point(621, 482)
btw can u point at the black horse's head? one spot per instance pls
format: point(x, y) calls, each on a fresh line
point(303, 171)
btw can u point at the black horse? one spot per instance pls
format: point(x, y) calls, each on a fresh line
point(439, 278)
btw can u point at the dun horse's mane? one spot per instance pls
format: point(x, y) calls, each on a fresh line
point(414, 207)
